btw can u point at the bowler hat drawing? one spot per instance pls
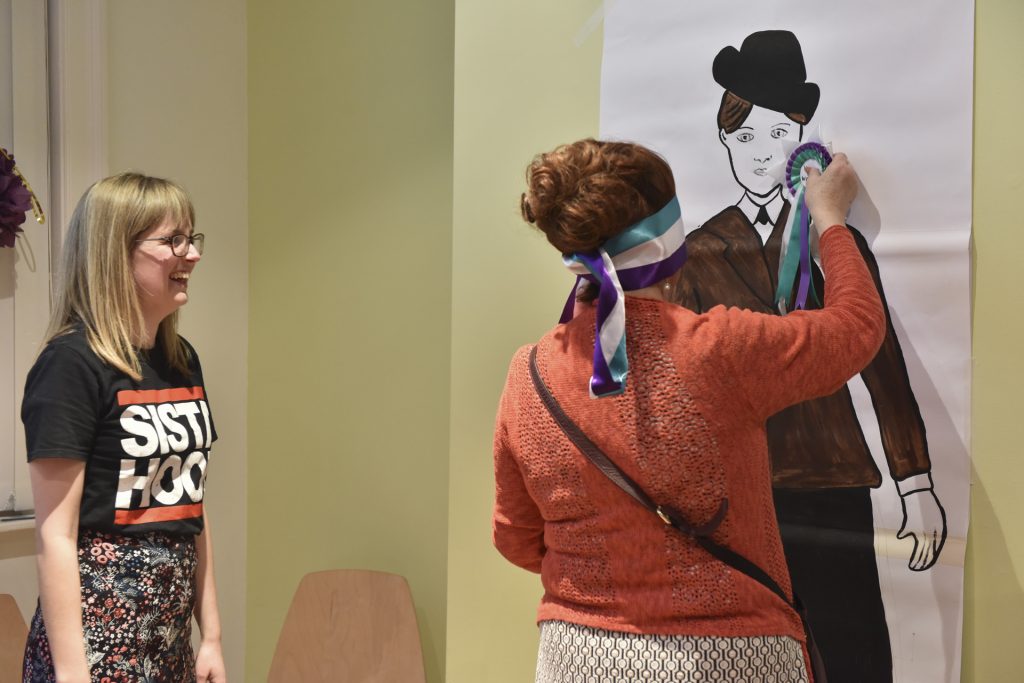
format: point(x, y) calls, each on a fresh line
point(768, 71)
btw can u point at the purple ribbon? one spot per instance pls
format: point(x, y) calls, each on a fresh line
point(630, 278)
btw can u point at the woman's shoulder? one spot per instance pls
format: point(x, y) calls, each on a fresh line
point(66, 361)
point(520, 361)
point(70, 345)
point(547, 349)
point(715, 333)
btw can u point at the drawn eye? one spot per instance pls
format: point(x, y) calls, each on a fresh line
point(745, 136)
point(779, 133)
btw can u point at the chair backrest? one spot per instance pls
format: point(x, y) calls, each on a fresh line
point(13, 633)
point(349, 625)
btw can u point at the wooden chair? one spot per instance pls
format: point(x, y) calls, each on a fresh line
point(13, 633)
point(349, 625)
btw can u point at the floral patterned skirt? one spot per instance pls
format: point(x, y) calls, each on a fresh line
point(138, 593)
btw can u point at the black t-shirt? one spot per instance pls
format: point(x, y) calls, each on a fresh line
point(146, 444)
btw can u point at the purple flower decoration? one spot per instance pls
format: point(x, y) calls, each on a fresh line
point(15, 201)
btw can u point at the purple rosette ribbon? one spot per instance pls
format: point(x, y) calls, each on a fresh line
point(795, 268)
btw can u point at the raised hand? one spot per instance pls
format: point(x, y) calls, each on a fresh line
point(830, 194)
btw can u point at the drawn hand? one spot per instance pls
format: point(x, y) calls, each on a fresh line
point(925, 520)
point(830, 194)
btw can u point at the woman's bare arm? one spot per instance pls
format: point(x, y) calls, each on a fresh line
point(210, 658)
point(57, 491)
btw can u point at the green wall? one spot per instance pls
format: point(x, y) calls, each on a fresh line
point(350, 145)
point(994, 615)
point(521, 86)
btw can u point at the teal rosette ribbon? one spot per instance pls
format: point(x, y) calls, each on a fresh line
point(795, 270)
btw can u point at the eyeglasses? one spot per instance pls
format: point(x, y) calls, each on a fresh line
point(179, 243)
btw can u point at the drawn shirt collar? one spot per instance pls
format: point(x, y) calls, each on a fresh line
point(750, 209)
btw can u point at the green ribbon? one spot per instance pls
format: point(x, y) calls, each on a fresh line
point(787, 276)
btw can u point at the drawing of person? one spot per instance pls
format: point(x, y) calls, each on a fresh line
point(821, 465)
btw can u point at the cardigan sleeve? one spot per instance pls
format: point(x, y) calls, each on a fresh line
point(778, 361)
point(517, 523)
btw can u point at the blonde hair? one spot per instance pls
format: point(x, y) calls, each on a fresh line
point(96, 286)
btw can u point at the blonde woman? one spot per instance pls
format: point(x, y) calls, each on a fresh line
point(119, 434)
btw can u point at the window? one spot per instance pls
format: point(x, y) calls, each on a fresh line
point(25, 269)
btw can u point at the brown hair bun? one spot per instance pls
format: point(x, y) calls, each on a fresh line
point(583, 193)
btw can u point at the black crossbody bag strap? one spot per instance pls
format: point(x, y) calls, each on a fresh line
point(669, 516)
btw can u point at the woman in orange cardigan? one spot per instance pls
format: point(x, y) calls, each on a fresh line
point(678, 401)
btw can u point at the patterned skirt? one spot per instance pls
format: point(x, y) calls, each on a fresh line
point(570, 653)
point(138, 593)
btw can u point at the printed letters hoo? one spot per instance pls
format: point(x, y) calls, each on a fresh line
point(167, 440)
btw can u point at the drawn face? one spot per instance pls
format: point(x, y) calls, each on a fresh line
point(756, 146)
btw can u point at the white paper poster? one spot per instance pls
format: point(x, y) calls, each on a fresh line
point(717, 88)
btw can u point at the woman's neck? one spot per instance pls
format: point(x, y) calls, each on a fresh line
point(656, 292)
point(149, 332)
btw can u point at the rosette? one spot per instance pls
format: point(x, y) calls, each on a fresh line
point(795, 258)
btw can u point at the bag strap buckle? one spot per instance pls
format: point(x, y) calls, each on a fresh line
point(664, 517)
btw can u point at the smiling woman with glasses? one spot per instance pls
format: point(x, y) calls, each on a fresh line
point(119, 433)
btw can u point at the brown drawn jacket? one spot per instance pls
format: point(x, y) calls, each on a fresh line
point(817, 444)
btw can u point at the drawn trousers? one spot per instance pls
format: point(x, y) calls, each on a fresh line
point(828, 538)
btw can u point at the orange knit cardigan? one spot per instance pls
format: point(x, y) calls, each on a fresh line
point(690, 429)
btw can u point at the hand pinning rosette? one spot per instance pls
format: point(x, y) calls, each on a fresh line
point(795, 259)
